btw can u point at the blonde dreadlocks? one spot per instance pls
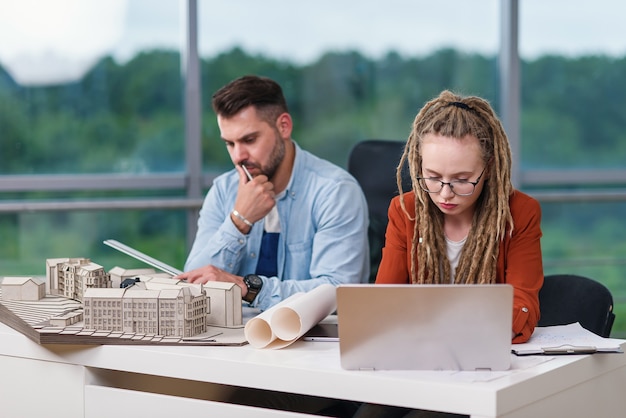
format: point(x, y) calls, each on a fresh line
point(455, 116)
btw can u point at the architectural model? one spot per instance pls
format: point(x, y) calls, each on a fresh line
point(119, 274)
point(23, 288)
point(77, 299)
point(70, 277)
point(170, 312)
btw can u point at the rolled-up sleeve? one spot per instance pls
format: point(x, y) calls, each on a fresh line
point(218, 241)
point(522, 265)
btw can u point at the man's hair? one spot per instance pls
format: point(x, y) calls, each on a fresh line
point(455, 116)
point(263, 93)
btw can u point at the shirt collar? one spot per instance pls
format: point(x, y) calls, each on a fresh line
point(290, 190)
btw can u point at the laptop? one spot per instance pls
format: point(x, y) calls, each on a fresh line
point(142, 257)
point(425, 327)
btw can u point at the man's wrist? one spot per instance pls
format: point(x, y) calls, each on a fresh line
point(254, 284)
point(240, 221)
point(242, 218)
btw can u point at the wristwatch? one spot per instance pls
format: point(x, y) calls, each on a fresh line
point(254, 284)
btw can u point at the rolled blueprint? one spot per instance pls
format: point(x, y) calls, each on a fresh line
point(288, 320)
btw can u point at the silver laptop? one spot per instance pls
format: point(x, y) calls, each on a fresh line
point(425, 327)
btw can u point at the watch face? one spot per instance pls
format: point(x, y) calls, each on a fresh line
point(254, 284)
point(254, 280)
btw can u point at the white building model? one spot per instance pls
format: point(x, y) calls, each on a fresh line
point(119, 274)
point(143, 301)
point(162, 306)
point(23, 288)
point(175, 311)
point(71, 277)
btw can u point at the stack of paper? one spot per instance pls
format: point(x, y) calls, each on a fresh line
point(567, 339)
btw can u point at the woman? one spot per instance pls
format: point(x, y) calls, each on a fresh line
point(463, 222)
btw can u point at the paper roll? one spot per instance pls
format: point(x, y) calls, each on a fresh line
point(258, 331)
point(288, 320)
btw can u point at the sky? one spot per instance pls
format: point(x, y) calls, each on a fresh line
point(48, 41)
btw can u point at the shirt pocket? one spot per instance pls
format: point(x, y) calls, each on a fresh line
point(298, 260)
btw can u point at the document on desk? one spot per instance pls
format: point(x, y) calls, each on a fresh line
point(287, 321)
point(566, 339)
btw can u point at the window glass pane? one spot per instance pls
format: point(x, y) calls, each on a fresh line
point(349, 72)
point(35, 237)
point(588, 239)
point(573, 84)
point(90, 87)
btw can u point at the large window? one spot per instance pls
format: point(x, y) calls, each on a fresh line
point(573, 136)
point(103, 135)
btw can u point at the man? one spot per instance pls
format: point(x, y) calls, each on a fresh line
point(282, 221)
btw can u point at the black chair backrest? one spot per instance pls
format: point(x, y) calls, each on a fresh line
point(567, 298)
point(373, 163)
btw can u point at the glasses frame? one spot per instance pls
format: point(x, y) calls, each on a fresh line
point(451, 184)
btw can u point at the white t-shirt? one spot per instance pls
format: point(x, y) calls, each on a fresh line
point(453, 248)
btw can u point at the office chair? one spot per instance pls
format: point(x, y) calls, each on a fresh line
point(373, 163)
point(567, 298)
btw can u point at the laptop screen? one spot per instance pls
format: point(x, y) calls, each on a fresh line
point(425, 327)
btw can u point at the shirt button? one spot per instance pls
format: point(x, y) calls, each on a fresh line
point(524, 309)
point(252, 255)
point(230, 265)
point(240, 241)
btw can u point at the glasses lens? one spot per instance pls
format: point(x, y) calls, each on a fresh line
point(430, 185)
point(462, 187)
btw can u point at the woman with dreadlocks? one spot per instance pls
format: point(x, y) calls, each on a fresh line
point(463, 222)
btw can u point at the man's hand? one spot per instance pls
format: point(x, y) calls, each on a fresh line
point(211, 273)
point(255, 198)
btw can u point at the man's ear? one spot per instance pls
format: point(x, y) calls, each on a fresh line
point(284, 125)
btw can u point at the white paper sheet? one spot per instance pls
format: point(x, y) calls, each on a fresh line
point(566, 339)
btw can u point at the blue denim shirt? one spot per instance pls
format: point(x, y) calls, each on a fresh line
point(323, 239)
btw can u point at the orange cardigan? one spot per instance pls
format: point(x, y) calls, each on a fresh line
point(519, 259)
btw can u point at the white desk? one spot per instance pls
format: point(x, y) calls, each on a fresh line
point(165, 381)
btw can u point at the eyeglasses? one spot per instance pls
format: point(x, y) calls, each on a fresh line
point(458, 187)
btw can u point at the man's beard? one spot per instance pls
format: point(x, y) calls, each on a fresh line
point(276, 157)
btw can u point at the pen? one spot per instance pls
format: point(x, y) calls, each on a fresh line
point(569, 349)
point(247, 172)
